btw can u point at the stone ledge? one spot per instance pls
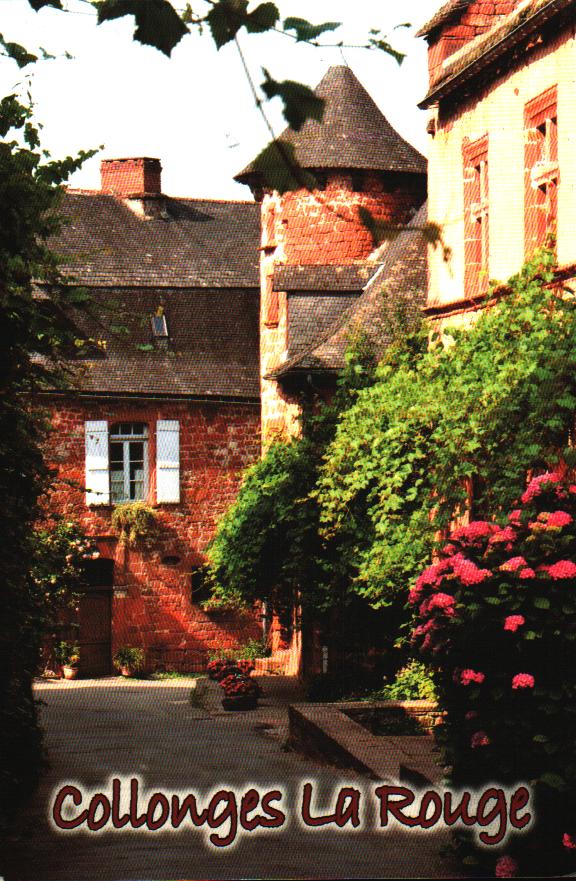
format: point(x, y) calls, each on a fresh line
point(326, 732)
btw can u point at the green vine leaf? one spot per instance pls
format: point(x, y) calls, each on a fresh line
point(278, 167)
point(18, 53)
point(305, 31)
point(39, 4)
point(157, 22)
point(300, 102)
point(225, 20)
point(262, 19)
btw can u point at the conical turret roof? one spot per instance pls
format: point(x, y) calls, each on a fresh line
point(353, 133)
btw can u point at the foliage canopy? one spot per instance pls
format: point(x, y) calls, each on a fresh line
point(356, 505)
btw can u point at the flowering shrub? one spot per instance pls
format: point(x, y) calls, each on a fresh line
point(497, 624)
point(221, 667)
point(238, 685)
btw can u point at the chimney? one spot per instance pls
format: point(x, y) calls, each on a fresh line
point(131, 177)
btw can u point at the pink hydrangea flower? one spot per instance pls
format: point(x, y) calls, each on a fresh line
point(558, 519)
point(468, 676)
point(506, 867)
point(513, 622)
point(467, 571)
point(475, 532)
point(514, 517)
point(513, 564)
point(527, 573)
point(442, 601)
point(471, 714)
point(523, 680)
point(507, 534)
point(536, 486)
point(561, 569)
point(479, 738)
point(568, 842)
point(429, 578)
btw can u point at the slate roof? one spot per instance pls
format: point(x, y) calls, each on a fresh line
point(199, 260)
point(321, 277)
point(353, 134)
point(213, 346)
point(310, 316)
point(201, 243)
point(446, 11)
point(399, 281)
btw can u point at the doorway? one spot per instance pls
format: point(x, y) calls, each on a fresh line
point(95, 619)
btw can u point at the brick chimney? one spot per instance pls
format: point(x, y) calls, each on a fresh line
point(131, 177)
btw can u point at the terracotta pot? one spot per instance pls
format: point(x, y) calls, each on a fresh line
point(240, 702)
point(69, 672)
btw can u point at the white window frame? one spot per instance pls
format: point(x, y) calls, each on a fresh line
point(125, 440)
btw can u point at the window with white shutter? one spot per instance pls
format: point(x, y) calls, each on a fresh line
point(128, 462)
point(167, 461)
point(97, 463)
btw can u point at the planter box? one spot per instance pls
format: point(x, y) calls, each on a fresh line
point(240, 702)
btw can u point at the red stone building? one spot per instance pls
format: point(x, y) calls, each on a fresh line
point(213, 321)
point(165, 407)
point(322, 272)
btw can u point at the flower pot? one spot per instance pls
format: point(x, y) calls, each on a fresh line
point(127, 671)
point(240, 702)
point(69, 672)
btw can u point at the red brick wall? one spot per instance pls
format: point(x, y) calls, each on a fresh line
point(217, 441)
point(128, 177)
point(479, 17)
point(325, 227)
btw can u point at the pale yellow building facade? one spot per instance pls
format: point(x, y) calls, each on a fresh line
point(490, 109)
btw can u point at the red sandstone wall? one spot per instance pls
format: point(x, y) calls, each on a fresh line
point(319, 227)
point(127, 177)
point(217, 441)
point(325, 227)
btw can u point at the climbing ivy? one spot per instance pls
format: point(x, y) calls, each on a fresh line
point(269, 546)
point(472, 411)
point(357, 503)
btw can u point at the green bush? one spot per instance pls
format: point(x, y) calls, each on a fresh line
point(414, 682)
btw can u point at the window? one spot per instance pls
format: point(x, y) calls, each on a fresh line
point(476, 210)
point(117, 466)
point(541, 170)
point(128, 462)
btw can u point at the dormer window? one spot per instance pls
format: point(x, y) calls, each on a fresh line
point(159, 326)
point(159, 329)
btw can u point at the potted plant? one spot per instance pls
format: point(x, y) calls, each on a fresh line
point(241, 692)
point(68, 656)
point(128, 660)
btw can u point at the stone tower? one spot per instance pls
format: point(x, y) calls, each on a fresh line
point(352, 160)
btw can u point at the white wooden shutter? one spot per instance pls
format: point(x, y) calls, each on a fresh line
point(167, 461)
point(97, 466)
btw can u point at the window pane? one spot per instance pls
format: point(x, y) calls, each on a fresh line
point(116, 456)
point(117, 486)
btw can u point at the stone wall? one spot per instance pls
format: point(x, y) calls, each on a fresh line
point(153, 604)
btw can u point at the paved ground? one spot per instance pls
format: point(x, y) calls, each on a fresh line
point(96, 728)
